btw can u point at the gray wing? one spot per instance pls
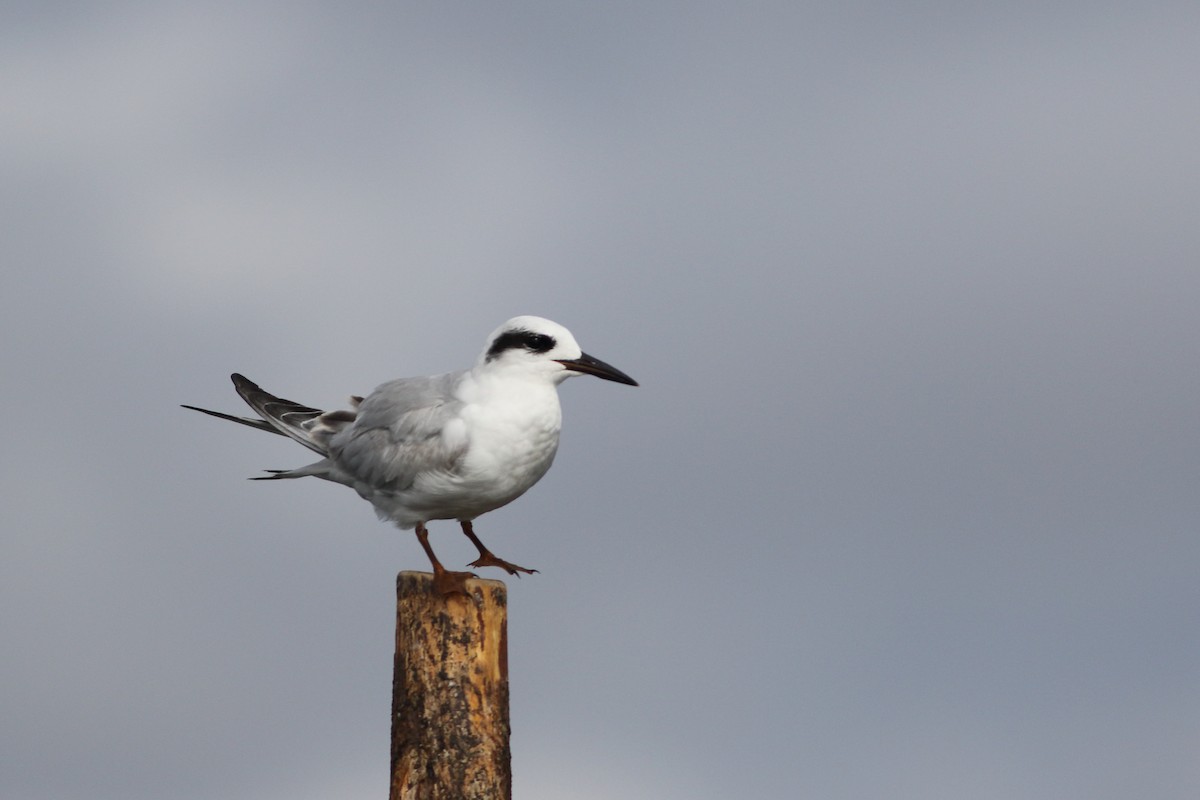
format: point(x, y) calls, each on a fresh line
point(399, 433)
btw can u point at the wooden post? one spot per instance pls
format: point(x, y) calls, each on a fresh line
point(450, 692)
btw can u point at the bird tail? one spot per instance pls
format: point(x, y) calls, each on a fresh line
point(319, 470)
point(311, 427)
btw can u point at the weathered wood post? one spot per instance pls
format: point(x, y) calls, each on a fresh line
point(450, 729)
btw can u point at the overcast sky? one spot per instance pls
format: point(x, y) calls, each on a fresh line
point(904, 508)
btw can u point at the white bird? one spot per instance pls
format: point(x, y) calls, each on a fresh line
point(450, 446)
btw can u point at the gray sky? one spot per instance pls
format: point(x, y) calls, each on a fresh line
point(905, 506)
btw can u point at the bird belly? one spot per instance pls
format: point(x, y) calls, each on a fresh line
point(497, 468)
point(510, 449)
point(494, 474)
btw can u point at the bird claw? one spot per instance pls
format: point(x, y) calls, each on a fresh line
point(487, 559)
point(447, 583)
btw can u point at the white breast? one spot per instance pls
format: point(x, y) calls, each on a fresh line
point(512, 430)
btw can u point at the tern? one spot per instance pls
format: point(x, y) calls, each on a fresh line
point(442, 447)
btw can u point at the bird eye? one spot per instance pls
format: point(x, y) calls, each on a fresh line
point(539, 342)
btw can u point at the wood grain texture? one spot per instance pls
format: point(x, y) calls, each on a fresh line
point(450, 724)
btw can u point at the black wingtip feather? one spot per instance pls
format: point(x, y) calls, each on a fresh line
point(260, 425)
point(275, 475)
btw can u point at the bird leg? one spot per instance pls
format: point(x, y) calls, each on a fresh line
point(445, 582)
point(487, 558)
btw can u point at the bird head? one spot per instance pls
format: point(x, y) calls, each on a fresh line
point(543, 349)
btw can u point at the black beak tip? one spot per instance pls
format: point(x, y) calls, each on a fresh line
point(628, 381)
point(589, 365)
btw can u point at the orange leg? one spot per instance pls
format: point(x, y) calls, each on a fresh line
point(486, 558)
point(445, 582)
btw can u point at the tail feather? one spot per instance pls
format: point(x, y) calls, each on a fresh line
point(309, 426)
point(318, 469)
point(258, 424)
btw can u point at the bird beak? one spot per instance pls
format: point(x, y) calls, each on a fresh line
point(594, 366)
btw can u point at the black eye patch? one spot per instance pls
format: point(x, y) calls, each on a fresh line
point(534, 342)
point(539, 342)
